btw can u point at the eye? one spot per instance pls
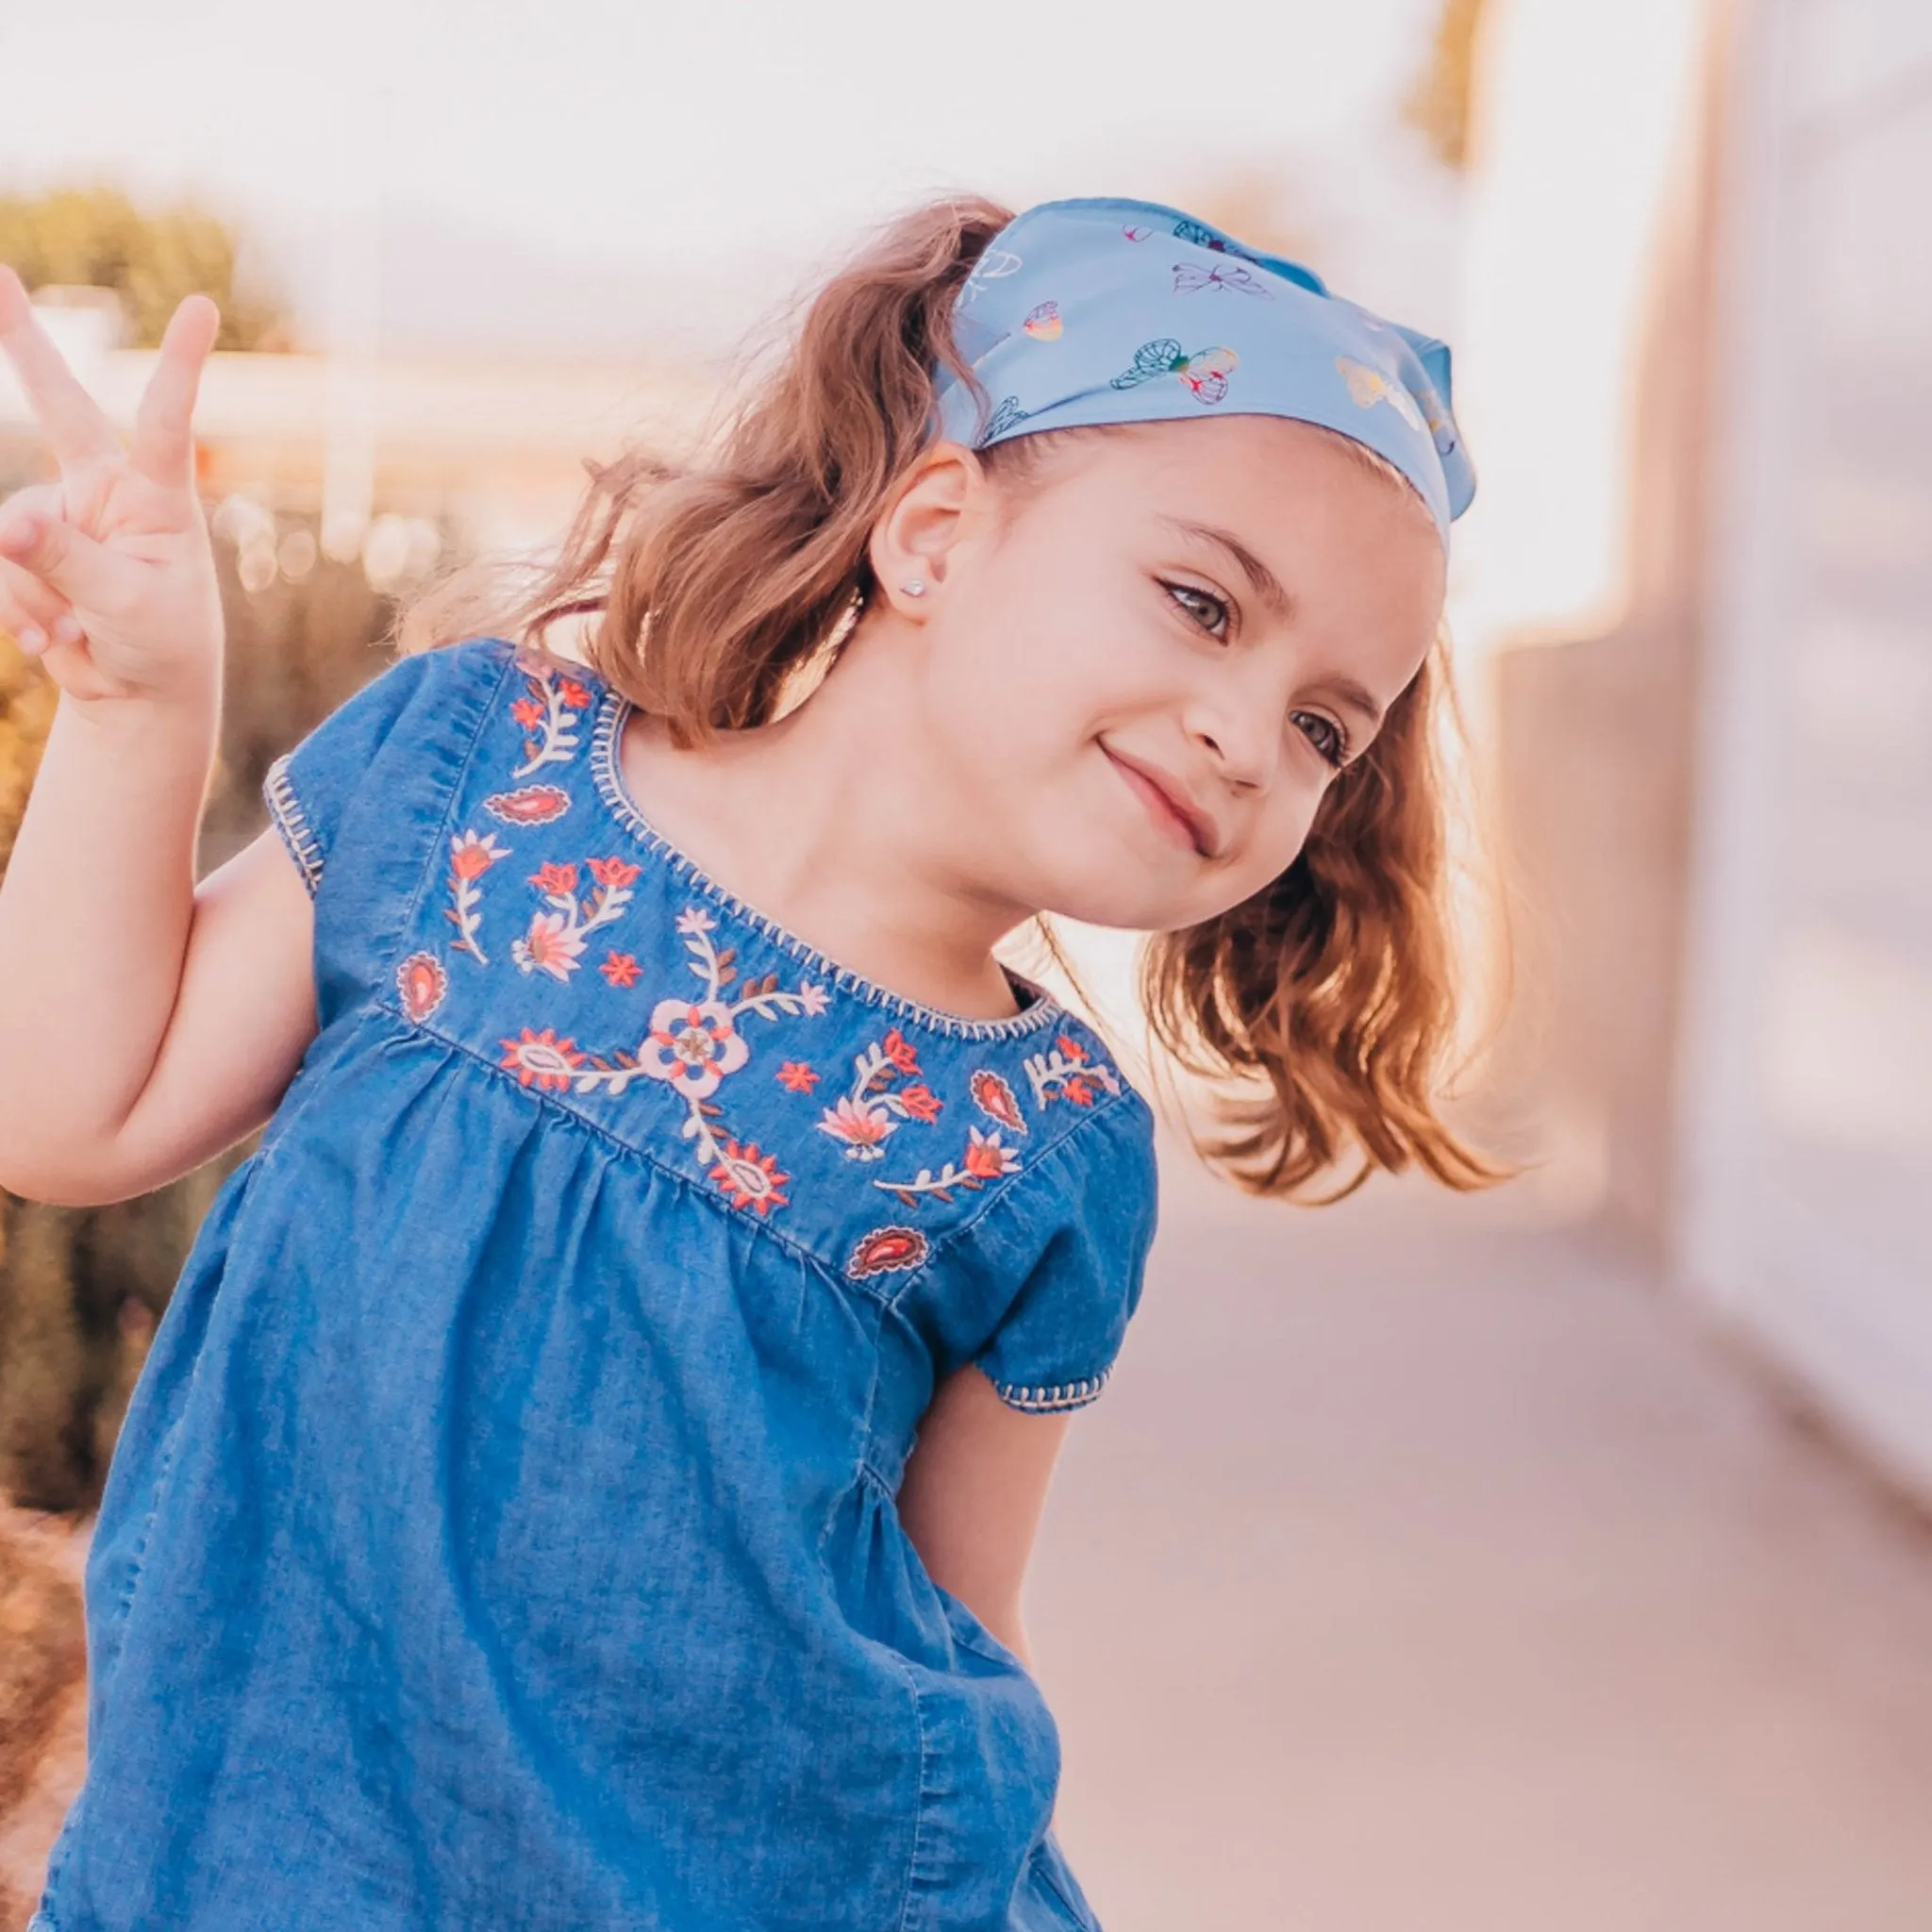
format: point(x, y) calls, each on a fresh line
point(1209, 611)
point(1328, 737)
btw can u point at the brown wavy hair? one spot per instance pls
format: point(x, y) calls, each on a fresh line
point(719, 587)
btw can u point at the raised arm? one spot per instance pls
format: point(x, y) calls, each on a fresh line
point(144, 1024)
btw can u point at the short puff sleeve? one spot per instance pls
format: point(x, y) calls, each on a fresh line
point(1056, 1345)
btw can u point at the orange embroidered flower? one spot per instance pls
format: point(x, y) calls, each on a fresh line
point(901, 1052)
point(986, 1158)
point(1072, 1048)
point(573, 694)
point(921, 1102)
point(541, 1060)
point(796, 1077)
point(752, 1180)
point(470, 856)
point(619, 969)
point(528, 712)
point(560, 879)
point(1077, 1090)
point(613, 871)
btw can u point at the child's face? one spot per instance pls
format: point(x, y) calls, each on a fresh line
point(1220, 609)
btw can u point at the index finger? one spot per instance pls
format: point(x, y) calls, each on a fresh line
point(76, 427)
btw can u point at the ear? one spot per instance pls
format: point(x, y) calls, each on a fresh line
point(916, 533)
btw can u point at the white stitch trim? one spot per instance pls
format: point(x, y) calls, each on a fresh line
point(1046, 1398)
point(293, 821)
point(611, 713)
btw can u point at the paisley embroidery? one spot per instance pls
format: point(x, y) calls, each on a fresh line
point(550, 710)
point(885, 1251)
point(1069, 1072)
point(420, 983)
point(530, 805)
point(995, 1098)
point(871, 1111)
point(470, 857)
point(986, 1160)
point(554, 942)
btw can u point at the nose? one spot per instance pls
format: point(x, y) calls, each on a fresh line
point(1240, 732)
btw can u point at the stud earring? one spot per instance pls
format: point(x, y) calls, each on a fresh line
point(915, 588)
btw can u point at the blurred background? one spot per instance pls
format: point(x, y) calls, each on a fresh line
point(1556, 1558)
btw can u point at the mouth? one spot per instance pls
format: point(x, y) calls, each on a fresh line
point(1173, 812)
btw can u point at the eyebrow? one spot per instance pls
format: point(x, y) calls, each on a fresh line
point(1266, 585)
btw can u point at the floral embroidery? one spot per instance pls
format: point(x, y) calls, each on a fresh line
point(543, 1061)
point(1072, 1071)
point(420, 983)
point(549, 710)
point(987, 1159)
point(470, 857)
point(795, 1076)
point(872, 1109)
point(619, 969)
point(996, 1099)
point(691, 1045)
point(530, 805)
point(554, 942)
point(750, 1178)
point(885, 1251)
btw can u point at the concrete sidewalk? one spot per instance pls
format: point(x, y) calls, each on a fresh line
point(1427, 1571)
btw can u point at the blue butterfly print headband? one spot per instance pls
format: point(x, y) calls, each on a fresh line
point(1124, 311)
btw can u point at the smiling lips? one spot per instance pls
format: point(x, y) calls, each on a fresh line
point(1168, 803)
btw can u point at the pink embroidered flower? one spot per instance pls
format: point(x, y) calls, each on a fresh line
point(996, 1099)
point(420, 983)
point(695, 919)
point(901, 1052)
point(986, 1158)
point(861, 1125)
point(752, 1180)
point(553, 944)
point(814, 999)
point(561, 879)
point(532, 805)
point(692, 1045)
point(541, 1060)
point(795, 1076)
point(921, 1102)
point(613, 871)
point(619, 969)
point(886, 1250)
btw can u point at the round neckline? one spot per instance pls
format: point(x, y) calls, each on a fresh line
point(606, 773)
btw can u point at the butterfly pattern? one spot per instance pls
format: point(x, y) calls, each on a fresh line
point(1205, 372)
point(1189, 280)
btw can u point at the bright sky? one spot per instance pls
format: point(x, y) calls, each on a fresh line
point(724, 146)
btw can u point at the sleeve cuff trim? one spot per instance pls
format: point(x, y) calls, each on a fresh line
point(292, 824)
point(1049, 1396)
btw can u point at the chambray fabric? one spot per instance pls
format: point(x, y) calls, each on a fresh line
point(1111, 310)
point(503, 1531)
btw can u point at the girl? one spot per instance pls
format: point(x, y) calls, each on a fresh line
point(585, 1475)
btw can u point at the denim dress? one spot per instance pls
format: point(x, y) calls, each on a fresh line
point(503, 1531)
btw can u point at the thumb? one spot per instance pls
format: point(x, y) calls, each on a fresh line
point(81, 569)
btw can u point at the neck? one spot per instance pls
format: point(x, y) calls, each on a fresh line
point(837, 822)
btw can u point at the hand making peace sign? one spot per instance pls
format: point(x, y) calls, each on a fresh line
point(111, 565)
